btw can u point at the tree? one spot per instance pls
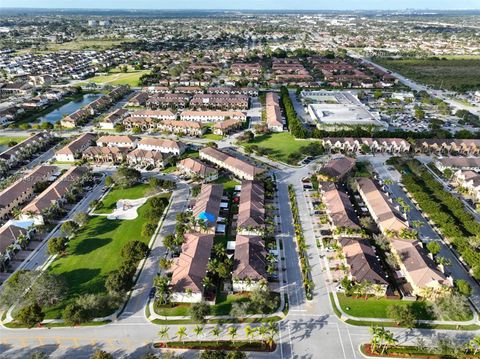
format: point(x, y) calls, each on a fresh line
point(451, 307)
point(434, 247)
point(262, 300)
point(216, 331)
point(474, 345)
point(69, 228)
point(126, 177)
point(75, 314)
point(57, 245)
point(249, 332)
point(148, 229)
point(169, 241)
point(165, 264)
point(212, 354)
point(119, 281)
point(403, 315)
point(198, 311)
point(81, 218)
point(134, 251)
point(101, 354)
point(163, 333)
point(198, 330)
point(30, 315)
point(463, 287)
point(232, 332)
point(38, 355)
point(108, 181)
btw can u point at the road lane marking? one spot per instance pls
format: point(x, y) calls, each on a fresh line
point(341, 342)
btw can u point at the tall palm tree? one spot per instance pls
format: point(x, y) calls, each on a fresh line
point(475, 344)
point(198, 330)
point(207, 282)
point(181, 333)
point(273, 329)
point(232, 331)
point(376, 332)
point(387, 339)
point(163, 333)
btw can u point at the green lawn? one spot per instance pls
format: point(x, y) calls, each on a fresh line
point(451, 74)
point(93, 254)
point(280, 144)
point(116, 194)
point(212, 136)
point(4, 140)
point(118, 78)
point(228, 184)
point(377, 308)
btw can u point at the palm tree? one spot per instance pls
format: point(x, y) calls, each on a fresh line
point(216, 332)
point(474, 345)
point(249, 332)
point(202, 225)
point(198, 330)
point(273, 329)
point(163, 333)
point(270, 341)
point(181, 333)
point(232, 331)
point(262, 331)
point(377, 335)
point(388, 339)
point(207, 282)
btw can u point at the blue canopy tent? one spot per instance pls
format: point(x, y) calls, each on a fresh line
point(207, 217)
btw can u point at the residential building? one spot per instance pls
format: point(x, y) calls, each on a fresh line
point(190, 268)
point(74, 149)
point(176, 148)
point(417, 268)
point(223, 128)
point(373, 145)
point(54, 195)
point(10, 238)
point(157, 114)
point(212, 116)
point(470, 181)
point(273, 113)
point(381, 208)
point(109, 121)
point(122, 141)
point(337, 169)
point(144, 157)
point(100, 154)
point(249, 263)
point(251, 209)
point(456, 163)
point(207, 206)
point(24, 149)
point(224, 102)
point(23, 189)
point(238, 167)
point(466, 147)
point(187, 128)
point(196, 168)
point(340, 211)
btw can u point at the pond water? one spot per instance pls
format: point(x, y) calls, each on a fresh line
point(68, 108)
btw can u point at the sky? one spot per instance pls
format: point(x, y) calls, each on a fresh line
point(248, 4)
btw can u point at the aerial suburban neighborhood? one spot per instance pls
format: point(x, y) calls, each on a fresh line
point(263, 183)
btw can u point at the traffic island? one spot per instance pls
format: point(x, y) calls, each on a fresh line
point(230, 345)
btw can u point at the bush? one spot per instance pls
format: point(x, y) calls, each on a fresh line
point(198, 311)
point(30, 315)
point(74, 314)
point(57, 245)
point(148, 229)
point(463, 287)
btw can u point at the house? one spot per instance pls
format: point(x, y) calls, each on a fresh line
point(138, 100)
point(207, 206)
point(122, 141)
point(23, 189)
point(251, 210)
point(220, 102)
point(223, 128)
point(363, 264)
point(212, 116)
point(74, 149)
point(238, 167)
point(337, 169)
point(10, 237)
point(54, 195)
point(273, 114)
point(99, 154)
point(249, 263)
point(76, 117)
point(417, 268)
point(162, 145)
point(190, 268)
point(147, 158)
point(381, 208)
point(340, 210)
point(465, 147)
point(194, 167)
point(109, 122)
point(374, 145)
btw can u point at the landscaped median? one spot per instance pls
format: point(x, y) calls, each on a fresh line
point(403, 351)
point(230, 345)
point(302, 246)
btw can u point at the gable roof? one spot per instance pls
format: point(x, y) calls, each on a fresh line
point(340, 209)
point(249, 258)
point(207, 203)
point(251, 210)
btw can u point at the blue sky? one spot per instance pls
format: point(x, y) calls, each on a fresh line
point(247, 4)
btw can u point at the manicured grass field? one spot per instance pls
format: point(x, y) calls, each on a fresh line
point(93, 254)
point(451, 74)
point(212, 136)
point(228, 184)
point(116, 194)
point(281, 144)
point(4, 140)
point(118, 78)
point(377, 308)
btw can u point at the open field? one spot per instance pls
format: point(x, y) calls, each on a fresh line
point(93, 254)
point(111, 199)
point(101, 44)
point(4, 140)
point(281, 145)
point(130, 78)
point(452, 74)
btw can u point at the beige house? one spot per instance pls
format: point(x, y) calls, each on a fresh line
point(194, 167)
point(251, 209)
point(147, 158)
point(249, 263)
point(74, 149)
point(273, 113)
point(162, 145)
point(212, 116)
point(223, 128)
point(121, 141)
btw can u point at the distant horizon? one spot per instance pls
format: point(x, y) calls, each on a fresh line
point(262, 5)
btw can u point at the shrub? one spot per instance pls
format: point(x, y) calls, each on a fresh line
point(30, 315)
point(134, 251)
